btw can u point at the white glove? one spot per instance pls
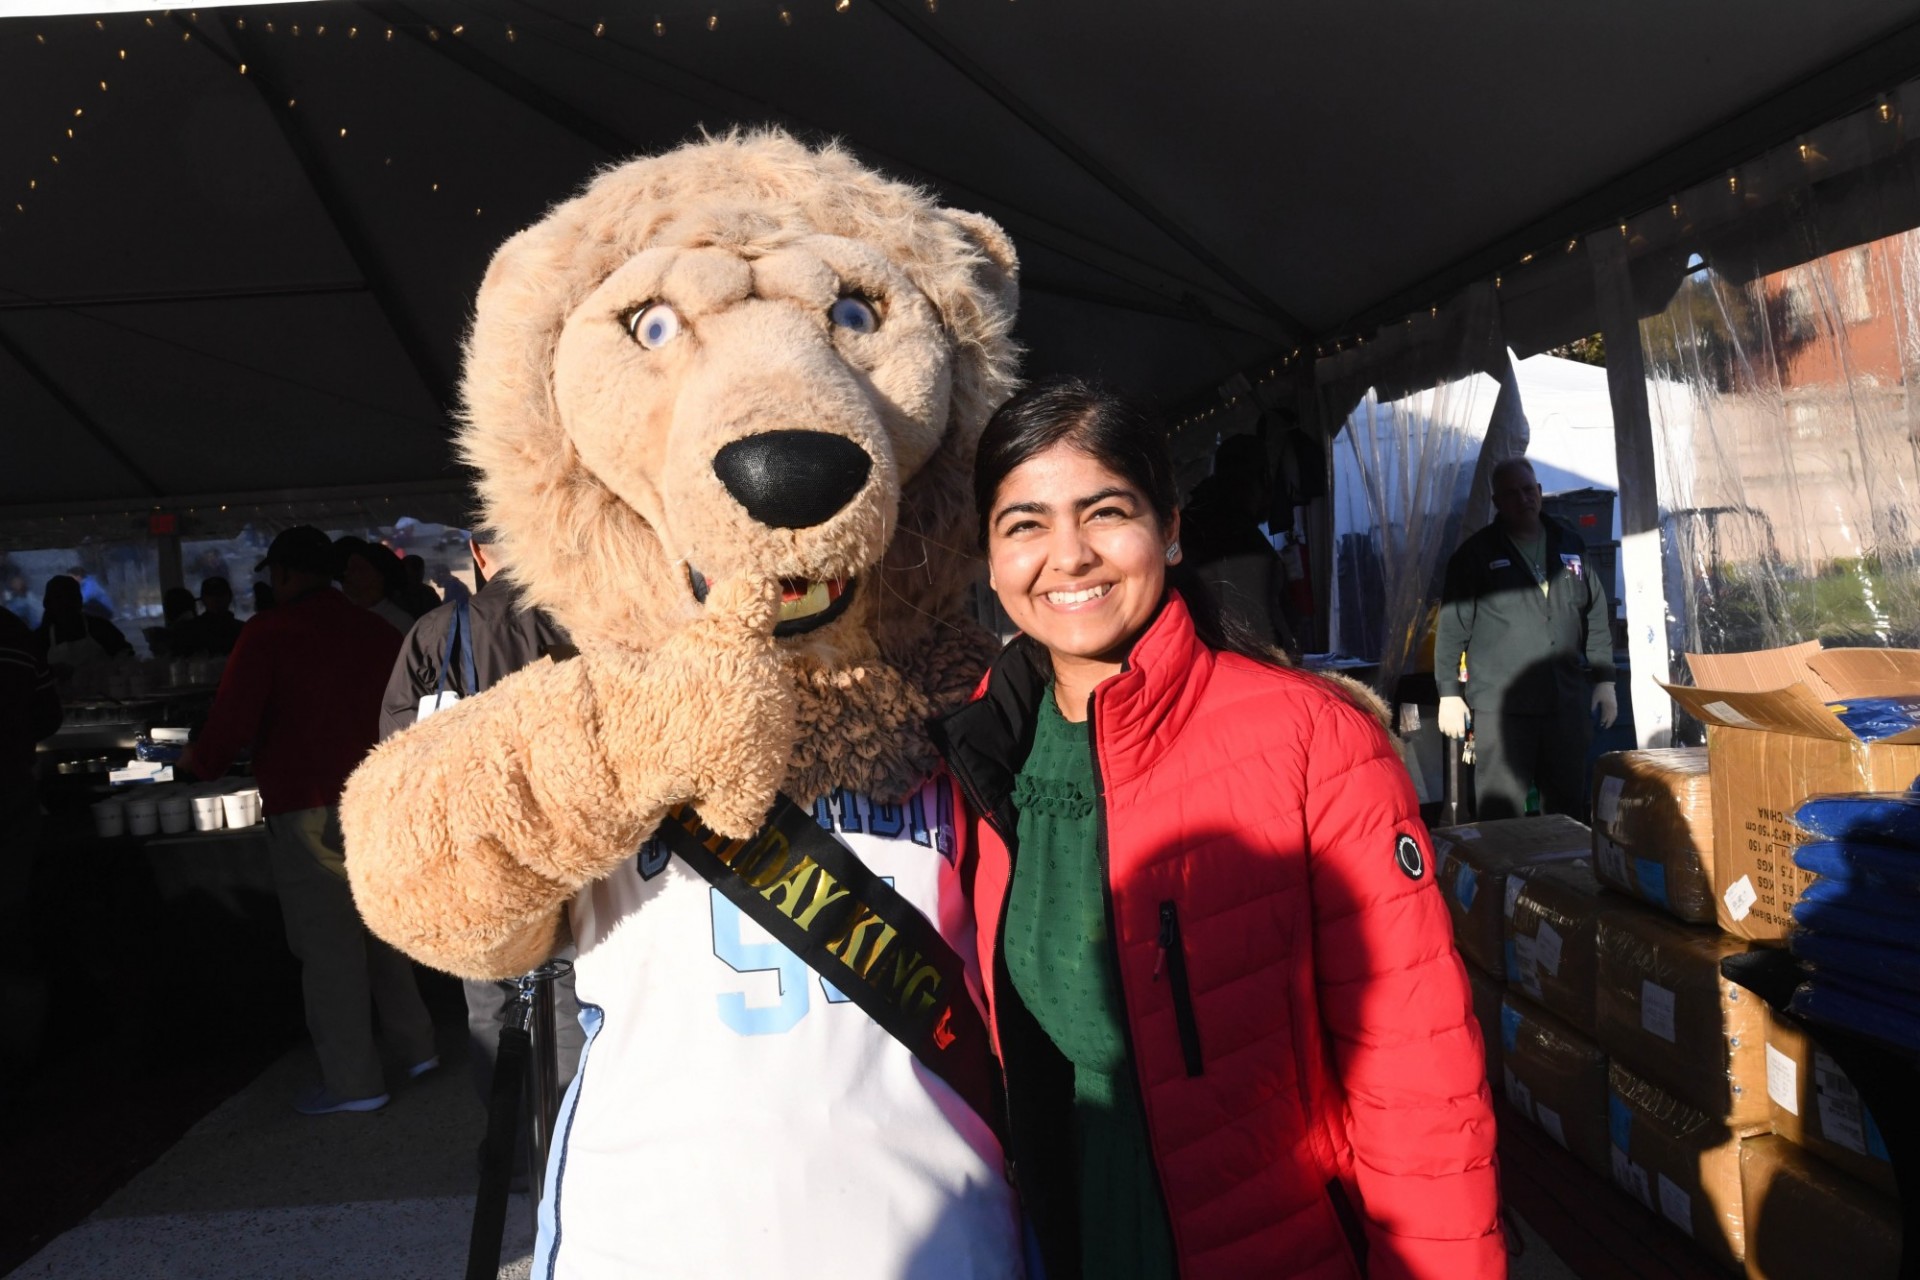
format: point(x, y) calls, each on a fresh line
point(1607, 703)
point(1454, 716)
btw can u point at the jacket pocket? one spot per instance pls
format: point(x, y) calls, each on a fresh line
point(1173, 962)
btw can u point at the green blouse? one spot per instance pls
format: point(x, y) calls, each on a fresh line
point(1061, 960)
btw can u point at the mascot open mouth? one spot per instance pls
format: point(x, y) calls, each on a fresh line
point(804, 604)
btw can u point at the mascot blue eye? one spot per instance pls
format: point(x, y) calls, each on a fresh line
point(855, 314)
point(654, 325)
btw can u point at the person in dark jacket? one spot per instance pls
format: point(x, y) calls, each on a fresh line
point(302, 689)
point(1532, 620)
point(70, 637)
point(461, 648)
point(1236, 1035)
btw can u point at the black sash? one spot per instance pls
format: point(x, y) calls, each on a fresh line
point(822, 903)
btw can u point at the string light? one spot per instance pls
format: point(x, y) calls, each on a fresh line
point(1733, 182)
point(786, 18)
point(460, 28)
point(1885, 108)
point(512, 35)
point(599, 29)
point(659, 27)
point(841, 6)
point(713, 21)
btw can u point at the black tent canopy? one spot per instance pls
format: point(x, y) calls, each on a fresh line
point(238, 245)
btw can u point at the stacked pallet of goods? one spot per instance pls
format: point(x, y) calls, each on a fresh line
point(1617, 1034)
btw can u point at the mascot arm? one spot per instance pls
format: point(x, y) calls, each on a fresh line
point(468, 833)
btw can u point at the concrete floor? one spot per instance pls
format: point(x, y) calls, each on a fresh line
point(256, 1192)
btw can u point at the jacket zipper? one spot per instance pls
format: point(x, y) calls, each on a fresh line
point(1173, 958)
point(1119, 973)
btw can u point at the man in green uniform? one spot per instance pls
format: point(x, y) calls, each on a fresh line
point(1525, 609)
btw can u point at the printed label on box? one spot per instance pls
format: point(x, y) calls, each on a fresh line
point(1550, 1121)
point(1783, 1080)
point(1740, 898)
point(1468, 833)
point(1518, 1094)
point(1613, 862)
point(1631, 1178)
point(1526, 965)
point(1656, 1010)
point(1514, 885)
point(1607, 806)
point(1546, 949)
point(1676, 1205)
point(1509, 1029)
point(1841, 1114)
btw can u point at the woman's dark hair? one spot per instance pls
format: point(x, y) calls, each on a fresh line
point(1126, 438)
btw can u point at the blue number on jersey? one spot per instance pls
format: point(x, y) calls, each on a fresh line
point(756, 957)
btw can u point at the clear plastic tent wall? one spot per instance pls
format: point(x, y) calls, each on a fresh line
point(1405, 461)
point(1779, 380)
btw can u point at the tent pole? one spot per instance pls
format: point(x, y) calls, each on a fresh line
point(1643, 567)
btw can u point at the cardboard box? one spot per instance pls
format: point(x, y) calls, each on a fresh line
point(1474, 862)
point(1678, 1162)
point(1487, 993)
point(1557, 1078)
point(1550, 938)
point(1807, 1221)
point(1663, 1009)
point(1815, 1105)
point(1772, 742)
point(1653, 828)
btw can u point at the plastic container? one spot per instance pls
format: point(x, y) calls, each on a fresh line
point(143, 816)
point(109, 819)
point(209, 813)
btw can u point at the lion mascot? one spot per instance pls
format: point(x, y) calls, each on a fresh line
point(723, 406)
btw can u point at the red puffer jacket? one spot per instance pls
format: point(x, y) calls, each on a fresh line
point(1300, 1024)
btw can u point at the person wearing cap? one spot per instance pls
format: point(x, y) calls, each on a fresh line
point(303, 689)
point(370, 576)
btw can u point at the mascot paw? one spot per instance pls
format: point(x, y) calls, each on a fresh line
point(715, 704)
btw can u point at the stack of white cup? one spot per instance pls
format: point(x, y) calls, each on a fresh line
point(176, 813)
point(208, 812)
point(109, 818)
point(241, 808)
point(143, 815)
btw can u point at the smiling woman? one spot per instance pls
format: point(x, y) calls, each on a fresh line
point(1201, 883)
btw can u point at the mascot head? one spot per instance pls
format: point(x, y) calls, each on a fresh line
point(749, 358)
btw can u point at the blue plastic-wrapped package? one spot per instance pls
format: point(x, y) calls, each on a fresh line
point(1859, 1009)
point(1879, 817)
point(1869, 961)
point(1875, 868)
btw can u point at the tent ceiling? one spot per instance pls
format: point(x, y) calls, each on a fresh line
point(215, 291)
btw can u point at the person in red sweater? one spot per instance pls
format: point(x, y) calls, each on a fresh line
point(303, 689)
point(1236, 1036)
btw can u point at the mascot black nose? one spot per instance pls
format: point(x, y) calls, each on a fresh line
point(793, 479)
